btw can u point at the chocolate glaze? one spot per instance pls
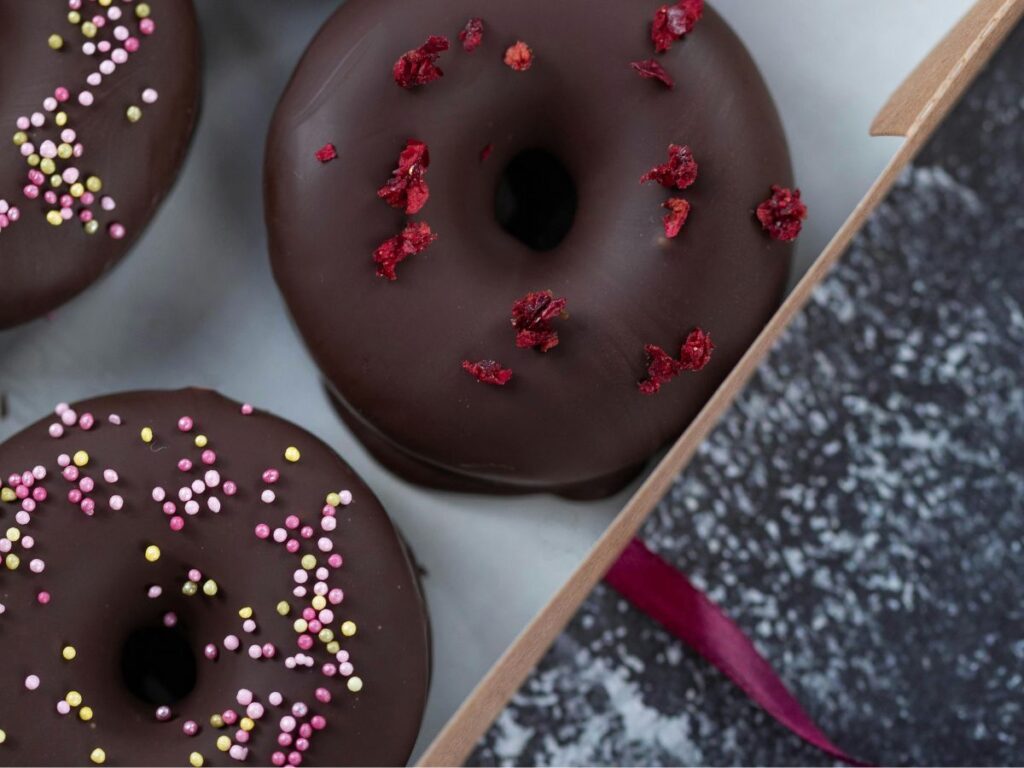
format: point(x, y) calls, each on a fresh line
point(572, 419)
point(98, 577)
point(42, 266)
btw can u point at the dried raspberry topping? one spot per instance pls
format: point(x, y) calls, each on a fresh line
point(680, 171)
point(407, 188)
point(532, 316)
point(488, 372)
point(326, 153)
point(672, 22)
point(782, 215)
point(486, 152)
point(419, 66)
point(696, 351)
point(413, 239)
point(652, 70)
point(694, 355)
point(519, 57)
point(472, 35)
point(678, 211)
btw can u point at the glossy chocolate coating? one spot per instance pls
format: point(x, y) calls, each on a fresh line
point(97, 575)
point(572, 420)
point(43, 266)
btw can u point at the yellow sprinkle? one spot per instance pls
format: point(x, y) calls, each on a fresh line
point(319, 602)
point(12, 561)
point(348, 629)
point(195, 760)
point(8, 495)
point(142, 10)
point(291, 453)
point(89, 29)
point(91, 227)
point(85, 714)
point(47, 166)
point(246, 724)
point(245, 613)
point(20, 138)
point(152, 553)
point(201, 441)
point(146, 434)
point(333, 647)
point(13, 534)
point(217, 721)
point(300, 625)
point(74, 698)
point(223, 743)
point(54, 218)
point(326, 635)
point(94, 184)
point(308, 562)
point(56, 42)
point(61, 119)
point(98, 756)
point(333, 499)
point(3, 736)
point(133, 113)
point(56, 180)
point(283, 608)
point(105, 3)
point(65, 151)
point(81, 458)
point(68, 652)
point(355, 684)
point(189, 588)
point(75, 17)
point(210, 588)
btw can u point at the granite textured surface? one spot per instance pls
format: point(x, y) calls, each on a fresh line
point(859, 512)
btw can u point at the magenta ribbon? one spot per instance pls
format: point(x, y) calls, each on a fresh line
point(667, 596)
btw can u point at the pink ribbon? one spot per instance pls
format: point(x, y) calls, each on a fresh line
point(668, 597)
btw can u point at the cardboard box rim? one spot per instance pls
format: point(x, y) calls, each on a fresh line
point(913, 111)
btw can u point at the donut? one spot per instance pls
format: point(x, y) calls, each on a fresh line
point(185, 580)
point(525, 242)
point(98, 99)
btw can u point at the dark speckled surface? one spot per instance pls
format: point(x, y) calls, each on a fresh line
point(859, 513)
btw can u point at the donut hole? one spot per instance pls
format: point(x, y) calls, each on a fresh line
point(536, 199)
point(158, 665)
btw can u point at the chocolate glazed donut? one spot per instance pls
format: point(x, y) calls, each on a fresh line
point(101, 100)
point(185, 580)
point(535, 156)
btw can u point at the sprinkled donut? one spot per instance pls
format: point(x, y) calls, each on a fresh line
point(98, 100)
point(188, 581)
point(525, 242)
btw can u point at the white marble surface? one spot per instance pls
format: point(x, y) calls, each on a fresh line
point(195, 302)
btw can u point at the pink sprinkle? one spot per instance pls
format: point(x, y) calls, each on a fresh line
point(269, 651)
point(278, 759)
point(87, 484)
point(306, 532)
point(147, 26)
point(88, 506)
point(271, 476)
point(302, 744)
point(56, 430)
point(318, 722)
point(335, 596)
point(262, 531)
point(194, 574)
point(131, 44)
point(254, 710)
point(116, 231)
point(334, 560)
point(247, 409)
point(154, 592)
point(43, 597)
point(305, 642)
point(209, 457)
point(291, 522)
point(230, 488)
point(294, 758)
point(184, 465)
point(329, 670)
point(292, 546)
point(169, 508)
point(86, 421)
point(229, 716)
point(190, 727)
point(210, 651)
point(242, 737)
point(170, 619)
point(62, 94)
point(177, 523)
point(185, 424)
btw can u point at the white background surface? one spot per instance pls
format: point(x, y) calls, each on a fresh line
point(194, 304)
